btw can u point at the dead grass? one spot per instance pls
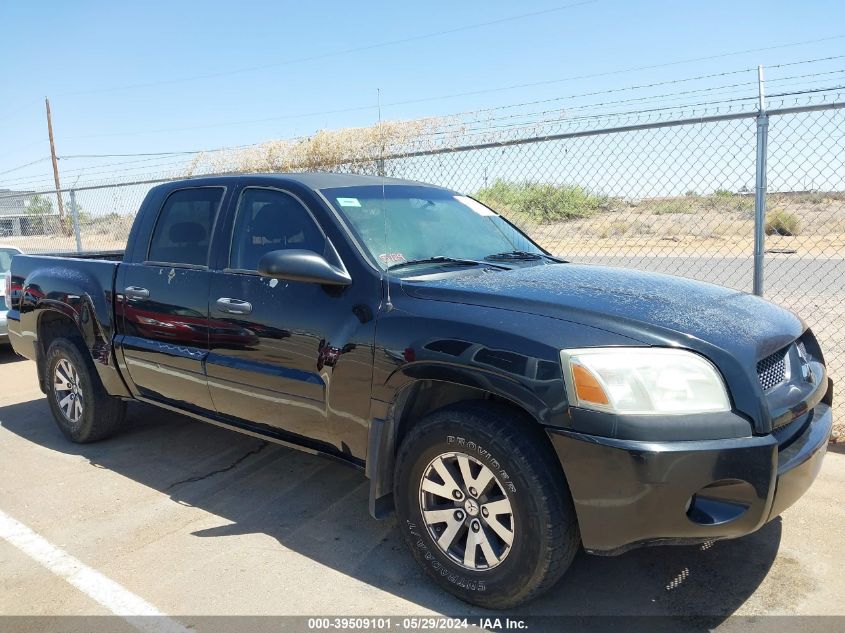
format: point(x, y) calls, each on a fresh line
point(782, 222)
point(356, 150)
point(718, 223)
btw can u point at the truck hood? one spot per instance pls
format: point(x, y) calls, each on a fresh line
point(653, 308)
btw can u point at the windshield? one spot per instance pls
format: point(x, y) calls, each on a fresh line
point(6, 255)
point(424, 222)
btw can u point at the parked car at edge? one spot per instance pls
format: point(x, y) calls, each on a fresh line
point(509, 406)
point(6, 254)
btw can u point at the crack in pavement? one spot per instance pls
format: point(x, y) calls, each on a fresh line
point(234, 464)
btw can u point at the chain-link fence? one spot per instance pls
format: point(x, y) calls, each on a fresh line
point(678, 197)
point(672, 196)
point(805, 248)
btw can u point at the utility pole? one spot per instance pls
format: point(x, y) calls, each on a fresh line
point(55, 168)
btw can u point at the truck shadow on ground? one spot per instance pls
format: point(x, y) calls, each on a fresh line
point(8, 356)
point(318, 508)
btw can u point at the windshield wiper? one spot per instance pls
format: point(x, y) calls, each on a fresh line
point(524, 256)
point(442, 259)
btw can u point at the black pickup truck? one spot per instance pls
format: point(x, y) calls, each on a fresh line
point(508, 405)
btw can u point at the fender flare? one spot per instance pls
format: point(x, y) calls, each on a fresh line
point(384, 431)
point(84, 303)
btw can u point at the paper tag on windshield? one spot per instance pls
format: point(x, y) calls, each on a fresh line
point(392, 258)
point(479, 208)
point(349, 202)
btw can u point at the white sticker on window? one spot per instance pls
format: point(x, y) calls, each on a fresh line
point(392, 258)
point(348, 202)
point(479, 208)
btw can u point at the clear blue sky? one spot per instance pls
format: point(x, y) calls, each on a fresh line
point(83, 55)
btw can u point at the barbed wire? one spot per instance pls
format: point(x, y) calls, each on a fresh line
point(638, 119)
point(467, 131)
point(477, 113)
point(458, 94)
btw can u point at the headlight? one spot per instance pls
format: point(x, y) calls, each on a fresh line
point(643, 380)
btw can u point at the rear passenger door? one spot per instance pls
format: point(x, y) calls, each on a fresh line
point(164, 302)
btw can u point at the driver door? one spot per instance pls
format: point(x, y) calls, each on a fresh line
point(266, 335)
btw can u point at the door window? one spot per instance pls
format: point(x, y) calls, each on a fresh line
point(269, 220)
point(183, 230)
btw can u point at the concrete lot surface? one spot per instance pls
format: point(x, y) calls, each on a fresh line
point(193, 520)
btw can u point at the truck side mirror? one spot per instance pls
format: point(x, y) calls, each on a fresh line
point(301, 265)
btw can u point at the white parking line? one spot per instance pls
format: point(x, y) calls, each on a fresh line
point(120, 601)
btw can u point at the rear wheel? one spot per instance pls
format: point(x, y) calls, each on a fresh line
point(484, 505)
point(83, 410)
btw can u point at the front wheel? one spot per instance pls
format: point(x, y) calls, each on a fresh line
point(83, 410)
point(484, 506)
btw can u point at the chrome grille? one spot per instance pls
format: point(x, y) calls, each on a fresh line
point(772, 369)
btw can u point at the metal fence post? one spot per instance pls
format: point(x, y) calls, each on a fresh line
point(75, 217)
point(760, 188)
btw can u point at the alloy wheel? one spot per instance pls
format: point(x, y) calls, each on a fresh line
point(467, 511)
point(67, 391)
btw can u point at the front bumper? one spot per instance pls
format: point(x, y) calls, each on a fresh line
point(630, 493)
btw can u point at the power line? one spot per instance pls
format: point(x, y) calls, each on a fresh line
point(497, 89)
point(597, 116)
point(82, 170)
point(615, 115)
point(749, 99)
point(185, 152)
point(157, 155)
point(11, 113)
point(8, 171)
point(369, 107)
point(661, 83)
point(469, 131)
point(805, 61)
point(717, 90)
point(433, 98)
point(621, 71)
point(522, 104)
point(44, 178)
point(346, 51)
point(70, 156)
point(152, 156)
point(86, 171)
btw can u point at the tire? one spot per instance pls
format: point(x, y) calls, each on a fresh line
point(83, 410)
point(467, 439)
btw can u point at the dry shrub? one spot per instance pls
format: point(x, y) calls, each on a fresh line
point(720, 201)
point(539, 202)
point(355, 150)
point(782, 222)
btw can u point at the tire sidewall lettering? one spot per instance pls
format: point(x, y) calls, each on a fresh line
point(456, 579)
point(483, 454)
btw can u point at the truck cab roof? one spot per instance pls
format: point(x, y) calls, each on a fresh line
point(316, 181)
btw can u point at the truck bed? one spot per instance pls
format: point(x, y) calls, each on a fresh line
point(82, 284)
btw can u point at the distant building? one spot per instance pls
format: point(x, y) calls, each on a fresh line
point(14, 219)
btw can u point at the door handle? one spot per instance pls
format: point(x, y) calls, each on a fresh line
point(234, 306)
point(136, 292)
